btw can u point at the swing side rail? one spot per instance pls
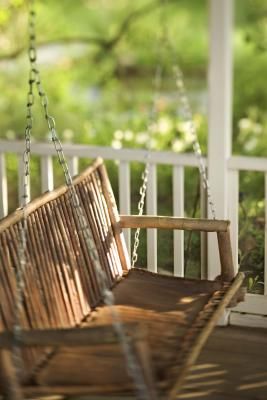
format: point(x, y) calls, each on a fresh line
point(68, 337)
point(71, 337)
point(221, 227)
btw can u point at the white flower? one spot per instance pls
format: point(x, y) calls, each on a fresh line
point(10, 135)
point(251, 144)
point(142, 137)
point(128, 135)
point(118, 134)
point(164, 125)
point(153, 144)
point(177, 145)
point(68, 135)
point(244, 124)
point(116, 144)
point(188, 129)
point(257, 128)
point(153, 127)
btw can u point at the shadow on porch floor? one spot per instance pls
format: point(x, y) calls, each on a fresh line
point(233, 365)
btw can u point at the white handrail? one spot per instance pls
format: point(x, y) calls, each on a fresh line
point(124, 157)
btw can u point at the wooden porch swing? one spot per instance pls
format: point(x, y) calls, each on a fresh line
point(85, 322)
point(68, 343)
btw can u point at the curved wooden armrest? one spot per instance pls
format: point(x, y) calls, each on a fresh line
point(192, 224)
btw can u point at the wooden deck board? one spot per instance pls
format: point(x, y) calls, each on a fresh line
point(233, 365)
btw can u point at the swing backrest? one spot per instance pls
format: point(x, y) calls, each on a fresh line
point(60, 282)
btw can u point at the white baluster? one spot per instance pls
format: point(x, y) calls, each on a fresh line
point(233, 209)
point(3, 187)
point(152, 210)
point(47, 178)
point(178, 211)
point(265, 239)
point(125, 197)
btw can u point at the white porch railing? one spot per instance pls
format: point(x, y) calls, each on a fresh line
point(124, 157)
point(255, 304)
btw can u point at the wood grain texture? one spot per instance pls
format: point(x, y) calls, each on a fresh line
point(83, 336)
point(161, 222)
point(226, 256)
point(62, 309)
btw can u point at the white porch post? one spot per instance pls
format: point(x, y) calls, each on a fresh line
point(220, 114)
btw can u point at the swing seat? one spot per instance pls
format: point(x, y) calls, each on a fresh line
point(68, 344)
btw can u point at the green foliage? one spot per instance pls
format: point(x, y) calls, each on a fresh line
point(98, 61)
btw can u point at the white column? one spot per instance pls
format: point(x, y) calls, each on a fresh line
point(220, 114)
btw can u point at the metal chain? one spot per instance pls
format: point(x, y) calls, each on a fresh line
point(134, 369)
point(21, 267)
point(145, 174)
point(188, 116)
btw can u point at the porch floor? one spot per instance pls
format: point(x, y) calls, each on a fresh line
point(233, 365)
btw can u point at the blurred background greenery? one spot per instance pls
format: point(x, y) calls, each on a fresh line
point(98, 60)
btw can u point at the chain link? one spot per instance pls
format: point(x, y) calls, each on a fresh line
point(134, 369)
point(21, 267)
point(188, 116)
point(141, 204)
point(145, 173)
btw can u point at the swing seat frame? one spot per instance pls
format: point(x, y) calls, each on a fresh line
point(68, 343)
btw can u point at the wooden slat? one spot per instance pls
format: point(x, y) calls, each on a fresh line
point(44, 257)
point(46, 390)
point(42, 227)
point(99, 227)
point(104, 225)
point(151, 206)
point(36, 257)
point(45, 198)
point(47, 178)
point(84, 258)
point(87, 336)
point(45, 216)
point(63, 260)
point(9, 385)
point(226, 257)
point(64, 235)
point(93, 217)
point(194, 224)
point(82, 265)
point(125, 197)
point(3, 187)
point(114, 217)
point(205, 333)
point(178, 211)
